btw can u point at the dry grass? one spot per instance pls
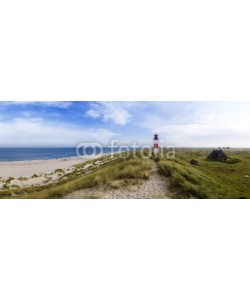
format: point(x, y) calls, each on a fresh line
point(124, 170)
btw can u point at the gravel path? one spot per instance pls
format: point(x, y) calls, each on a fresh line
point(153, 188)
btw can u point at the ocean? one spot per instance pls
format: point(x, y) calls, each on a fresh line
point(22, 154)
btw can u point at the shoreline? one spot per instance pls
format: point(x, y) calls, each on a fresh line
point(46, 159)
point(28, 168)
point(89, 156)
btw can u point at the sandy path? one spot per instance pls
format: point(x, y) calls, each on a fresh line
point(154, 187)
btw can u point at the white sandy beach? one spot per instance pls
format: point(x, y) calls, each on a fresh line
point(28, 168)
point(37, 172)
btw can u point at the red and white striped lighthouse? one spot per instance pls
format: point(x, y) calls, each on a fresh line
point(156, 146)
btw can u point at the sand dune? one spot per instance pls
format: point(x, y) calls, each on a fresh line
point(153, 187)
point(37, 172)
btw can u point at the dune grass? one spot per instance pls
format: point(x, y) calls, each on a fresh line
point(210, 179)
point(123, 169)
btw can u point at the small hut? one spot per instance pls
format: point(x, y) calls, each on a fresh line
point(217, 155)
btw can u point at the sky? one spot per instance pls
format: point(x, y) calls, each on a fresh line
point(179, 124)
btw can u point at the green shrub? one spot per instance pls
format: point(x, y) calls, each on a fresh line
point(59, 171)
point(9, 180)
point(22, 178)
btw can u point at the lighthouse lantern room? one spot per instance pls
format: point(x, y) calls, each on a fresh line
point(156, 145)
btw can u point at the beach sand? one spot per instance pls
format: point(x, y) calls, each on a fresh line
point(36, 172)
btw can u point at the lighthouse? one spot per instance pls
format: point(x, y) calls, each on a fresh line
point(156, 146)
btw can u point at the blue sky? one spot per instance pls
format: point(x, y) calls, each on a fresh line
point(190, 124)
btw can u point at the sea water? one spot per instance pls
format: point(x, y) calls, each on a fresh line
point(23, 154)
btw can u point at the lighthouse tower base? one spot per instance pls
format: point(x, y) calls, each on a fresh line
point(156, 151)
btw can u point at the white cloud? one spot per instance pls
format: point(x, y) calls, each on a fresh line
point(26, 114)
point(37, 132)
point(110, 111)
point(58, 104)
point(211, 125)
point(194, 124)
point(200, 124)
point(93, 114)
point(191, 124)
